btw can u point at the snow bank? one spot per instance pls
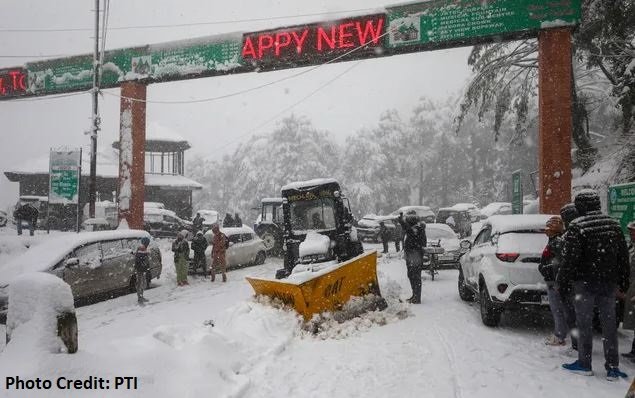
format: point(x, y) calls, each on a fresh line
point(314, 243)
point(35, 301)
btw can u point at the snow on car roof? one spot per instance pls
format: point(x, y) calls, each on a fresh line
point(50, 251)
point(464, 206)
point(517, 222)
point(452, 209)
point(309, 183)
point(233, 231)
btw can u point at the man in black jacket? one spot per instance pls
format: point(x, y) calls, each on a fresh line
point(384, 235)
point(415, 242)
point(595, 259)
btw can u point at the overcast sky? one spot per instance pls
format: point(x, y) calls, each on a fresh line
point(354, 100)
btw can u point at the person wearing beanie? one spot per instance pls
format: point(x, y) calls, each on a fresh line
point(181, 250)
point(595, 261)
point(413, 247)
point(141, 266)
point(629, 297)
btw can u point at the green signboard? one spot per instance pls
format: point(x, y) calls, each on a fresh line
point(621, 204)
point(517, 192)
point(64, 174)
point(164, 62)
point(444, 22)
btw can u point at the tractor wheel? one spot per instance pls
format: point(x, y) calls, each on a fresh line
point(269, 239)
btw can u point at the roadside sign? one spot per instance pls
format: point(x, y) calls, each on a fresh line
point(64, 175)
point(517, 192)
point(621, 204)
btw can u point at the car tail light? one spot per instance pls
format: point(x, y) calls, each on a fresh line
point(507, 257)
point(502, 287)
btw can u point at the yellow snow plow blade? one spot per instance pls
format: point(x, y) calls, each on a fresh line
point(326, 290)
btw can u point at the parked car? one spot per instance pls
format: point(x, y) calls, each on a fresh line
point(443, 234)
point(500, 268)
point(475, 213)
point(245, 247)
point(154, 205)
point(424, 213)
point(496, 208)
point(459, 220)
point(96, 224)
point(162, 223)
point(368, 227)
point(90, 262)
point(3, 218)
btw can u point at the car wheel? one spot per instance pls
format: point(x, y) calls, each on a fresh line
point(464, 291)
point(260, 258)
point(490, 315)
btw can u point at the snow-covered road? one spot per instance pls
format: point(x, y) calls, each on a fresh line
point(437, 349)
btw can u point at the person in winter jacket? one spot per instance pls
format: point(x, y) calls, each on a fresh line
point(238, 222)
point(595, 259)
point(384, 235)
point(181, 250)
point(228, 221)
point(142, 267)
point(220, 243)
point(548, 268)
point(629, 297)
point(199, 244)
point(568, 213)
point(415, 242)
point(398, 237)
point(26, 212)
point(197, 223)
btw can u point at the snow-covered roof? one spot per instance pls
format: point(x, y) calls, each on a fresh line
point(493, 207)
point(309, 183)
point(52, 250)
point(271, 200)
point(517, 222)
point(464, 206)
point(171, 181)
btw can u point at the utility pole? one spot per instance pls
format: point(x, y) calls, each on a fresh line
point(96, 121)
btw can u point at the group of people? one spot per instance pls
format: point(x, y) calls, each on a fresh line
point(26, 213)
point(586, 268)
point(230, 221)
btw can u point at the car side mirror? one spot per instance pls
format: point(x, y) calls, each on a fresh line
point(465, 245)
point(71, 262)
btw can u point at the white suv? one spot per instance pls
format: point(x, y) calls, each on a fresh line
point(501, 266)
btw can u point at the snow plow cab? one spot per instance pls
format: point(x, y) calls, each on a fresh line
point(324, 263)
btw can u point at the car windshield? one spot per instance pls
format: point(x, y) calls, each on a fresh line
point(437, 233)
point(315, 214)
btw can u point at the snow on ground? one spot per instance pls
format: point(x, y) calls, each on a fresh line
point(437, 349)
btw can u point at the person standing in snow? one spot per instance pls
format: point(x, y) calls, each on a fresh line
point(384, 235)
point(237, 221)
point(548, 268)
point(413, 247)
point(629, 297)
point(220, 243)
point(141, 266)
point(568, 213)
point(595, 259)
point(228, 221)
point(398, 237)
point(199, 244)
point(197, 223)
point(181, 250)
point(26, 212)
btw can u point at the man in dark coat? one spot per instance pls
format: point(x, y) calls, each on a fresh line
point(237, 221)
point(141, 266)
point(595, 259)
point(199, 244)
point(26, 212)
point(197, 223)
point(398, 237)
point(384, 235)
point(228, 221)
point(415, 242)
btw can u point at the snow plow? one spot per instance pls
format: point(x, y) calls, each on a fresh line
point(324, 263)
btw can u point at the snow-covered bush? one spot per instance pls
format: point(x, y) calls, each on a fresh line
point(41, 314)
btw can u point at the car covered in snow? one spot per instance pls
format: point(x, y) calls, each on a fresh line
point(368, 227)
point(424, 213)
point(496, 208)
point(443, 235)
point(92, 263)
point(475, 213)
point(500, 268)
point(245, 247)
point(163, 223)
point(458, 219)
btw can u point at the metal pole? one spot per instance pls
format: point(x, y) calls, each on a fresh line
point(79, 188)
point(92, 184)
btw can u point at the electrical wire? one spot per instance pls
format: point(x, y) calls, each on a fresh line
point(219, 22)
point(236, 93)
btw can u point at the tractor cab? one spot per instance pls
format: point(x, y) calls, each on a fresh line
point(317, 224)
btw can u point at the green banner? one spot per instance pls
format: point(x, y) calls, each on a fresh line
point(154, 63)
point(621, 204)
point(446, 21)
point(64, 174)
point(517, 192)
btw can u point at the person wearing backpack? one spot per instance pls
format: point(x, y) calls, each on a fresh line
point(220, 243)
